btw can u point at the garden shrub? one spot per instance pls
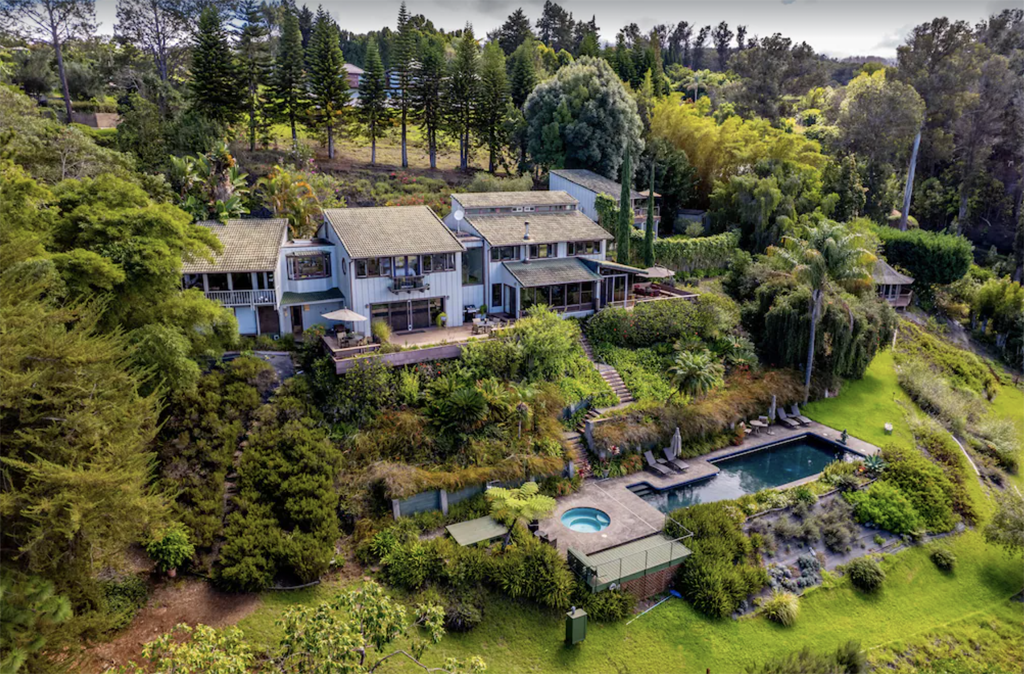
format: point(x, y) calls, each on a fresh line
point(944, 559)
point(607, 606)
point(837, 525)
point(964, 368)
point(782, 608)
point(123, 598)
point(170, 547)
point(643, 370)
point(884, 505)
point(998, 439)
point(925, 484)
point(932, 258)
point(865, 574)
point(847, 659)
point(689, 254)
point(651, 323)
point(944, 449)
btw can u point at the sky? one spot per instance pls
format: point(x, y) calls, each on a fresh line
point(835, 27)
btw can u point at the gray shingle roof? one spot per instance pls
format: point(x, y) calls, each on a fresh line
point(391, 230)
point(249, 245)
point(538, 273)
point(884, 274)
point(508, 230)
point(511, 199)
point(594, 182)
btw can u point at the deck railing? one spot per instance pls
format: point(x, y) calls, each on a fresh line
point(234, 298)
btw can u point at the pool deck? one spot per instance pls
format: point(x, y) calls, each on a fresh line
point(633, 518)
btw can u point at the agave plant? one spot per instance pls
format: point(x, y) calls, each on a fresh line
point(875, 464)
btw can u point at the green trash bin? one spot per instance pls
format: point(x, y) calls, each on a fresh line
point(575, 626)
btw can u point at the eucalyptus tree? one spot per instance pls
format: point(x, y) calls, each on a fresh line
point(56, 22)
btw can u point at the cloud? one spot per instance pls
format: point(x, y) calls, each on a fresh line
point(893, 39)
point(487, 7)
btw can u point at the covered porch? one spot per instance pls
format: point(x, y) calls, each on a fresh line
point(566, 285)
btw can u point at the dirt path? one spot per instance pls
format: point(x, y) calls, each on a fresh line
point(184, 601)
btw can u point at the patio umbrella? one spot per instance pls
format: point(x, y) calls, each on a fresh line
point(677, 443)
point(344, 315)
point(658, 272)
point(771, 410)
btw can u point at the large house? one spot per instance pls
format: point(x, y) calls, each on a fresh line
point(526, 248)
point(497, 253)
point(584, 186)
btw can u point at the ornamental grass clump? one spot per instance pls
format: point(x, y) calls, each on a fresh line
point(782, 608)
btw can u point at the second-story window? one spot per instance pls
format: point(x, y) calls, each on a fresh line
point(504, 253)
point(407, 265)
point(543, 250)
point(438, 262)
point(308, 266)
point(583, 248)
point(373, 266)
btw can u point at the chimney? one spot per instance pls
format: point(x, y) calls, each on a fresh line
point(526, 235)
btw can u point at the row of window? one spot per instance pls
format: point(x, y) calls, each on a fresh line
point(546, 250)
point(519, 209)
point(405, 265)
point(580, 295)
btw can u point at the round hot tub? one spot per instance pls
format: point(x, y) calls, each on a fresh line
point(586, 520)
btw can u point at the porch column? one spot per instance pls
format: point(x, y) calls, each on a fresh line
point(206, 283)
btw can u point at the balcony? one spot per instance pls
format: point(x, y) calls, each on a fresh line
point(408, 284)
point(242, 298)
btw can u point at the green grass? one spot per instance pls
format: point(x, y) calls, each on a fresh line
point(864, 406)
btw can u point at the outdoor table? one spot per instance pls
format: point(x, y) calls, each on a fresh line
point(758, 425)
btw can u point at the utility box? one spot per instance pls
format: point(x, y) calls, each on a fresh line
point(575, 626)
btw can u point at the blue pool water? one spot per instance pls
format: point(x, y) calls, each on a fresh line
point(751, 472)
point(586, 520)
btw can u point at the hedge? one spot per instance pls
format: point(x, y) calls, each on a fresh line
point(686, 254)
point(665, 321)
point(932, 258)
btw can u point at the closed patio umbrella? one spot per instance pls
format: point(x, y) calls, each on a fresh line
point(677, 443)
point(771, 410)
point(344, 315)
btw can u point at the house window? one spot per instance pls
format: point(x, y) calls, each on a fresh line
point(473, 267)
point(438, 262)
point(495, 296)
point(543, 250)
point(309, 265)
point(189, 281)
point(584, 248)
point(373, 266)
point(587, 293)
point(504, 253)
point(407, 265)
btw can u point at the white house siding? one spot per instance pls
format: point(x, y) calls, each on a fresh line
point(581, 194)
point(446, 285)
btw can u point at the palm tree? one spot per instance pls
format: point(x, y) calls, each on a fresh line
point(521, 505)
point(824, 258)
point(695, 373)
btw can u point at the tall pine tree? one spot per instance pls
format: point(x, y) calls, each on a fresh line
point(493, 101)
point(288, 84)
point(523, 72)
point(428, 92)
point(328, 80)
point(462, 92)
point(625, 229)
point(214, 89)
point(253, 51)
point(402, 64)
point(374, 112)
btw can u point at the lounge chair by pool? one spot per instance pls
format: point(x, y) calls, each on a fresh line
point(654, 466)
point(791, 423)
point(675, 461)
point(799, 417)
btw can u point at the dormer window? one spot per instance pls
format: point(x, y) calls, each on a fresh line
point(528, 209)
point(308, 265)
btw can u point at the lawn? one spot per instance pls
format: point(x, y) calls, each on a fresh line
point(864, 406)
point(921, 617)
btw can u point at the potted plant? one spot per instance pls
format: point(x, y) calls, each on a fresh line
point(442, 319)
point(170, 548)
point(482, 310)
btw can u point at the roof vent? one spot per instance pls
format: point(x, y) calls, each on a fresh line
point(526, 234)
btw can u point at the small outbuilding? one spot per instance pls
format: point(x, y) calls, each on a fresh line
point(893, 286)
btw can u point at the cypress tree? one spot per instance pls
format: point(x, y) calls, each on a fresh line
point(493, 102)
point(253, 50)
point(214, 87)
point(328, 81)
point(427, 91)
point(625, 211)
point(288, 85)
point(373, 97)
point(462, 92)
point(649, 230)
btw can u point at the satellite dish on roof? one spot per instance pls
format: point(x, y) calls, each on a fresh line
point(459, 214)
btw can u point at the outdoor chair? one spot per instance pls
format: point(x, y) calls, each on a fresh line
point(654, 466)
point(675, 461)
point(795, 413)
point(791, 423)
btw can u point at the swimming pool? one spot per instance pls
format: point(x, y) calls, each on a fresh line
point(759, 468)
point(586, 520)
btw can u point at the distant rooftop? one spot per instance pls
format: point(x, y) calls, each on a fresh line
point(249, 245)
point(513, 199)
point(594, 182)
point(385, 231)
point(508, 229)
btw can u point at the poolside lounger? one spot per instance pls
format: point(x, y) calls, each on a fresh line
point(791, 423)
point(654, 465)
point(799, 417)
point(675, 461)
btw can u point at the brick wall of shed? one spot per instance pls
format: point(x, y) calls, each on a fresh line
point(656, 583)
